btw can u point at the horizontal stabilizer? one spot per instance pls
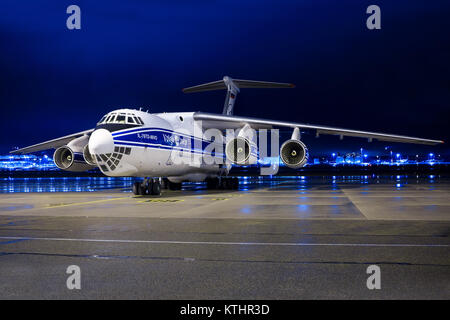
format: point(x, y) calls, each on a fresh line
point(232, 86)
point(221, 85)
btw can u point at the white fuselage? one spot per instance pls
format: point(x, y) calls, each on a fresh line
point(166, 145)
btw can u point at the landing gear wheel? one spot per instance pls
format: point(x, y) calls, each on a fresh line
point(156, 188)
point(149, 186)
point(142, 189)
point(137, 188)
point(153, 187)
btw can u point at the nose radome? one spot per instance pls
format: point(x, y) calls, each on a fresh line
point(101, 142)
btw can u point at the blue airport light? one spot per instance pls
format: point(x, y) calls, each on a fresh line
point(45, 162)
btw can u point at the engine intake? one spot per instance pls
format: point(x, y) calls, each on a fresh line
point(66, 159)
point(294, 154)
point(63, 158)
point(238, 150)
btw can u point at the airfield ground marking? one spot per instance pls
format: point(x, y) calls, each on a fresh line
point(81, 203)
point(161, 200)
point(292, 244)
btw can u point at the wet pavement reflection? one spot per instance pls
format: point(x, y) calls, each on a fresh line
point(301, 184)
point(69, 184)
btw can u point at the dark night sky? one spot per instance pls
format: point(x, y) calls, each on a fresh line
point(55, 81)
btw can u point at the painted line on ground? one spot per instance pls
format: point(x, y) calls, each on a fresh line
point(298, 244)
point(50, 206)
point(161, 200)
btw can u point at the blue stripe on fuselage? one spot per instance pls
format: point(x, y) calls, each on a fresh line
point(154, 146)
point(166, 137)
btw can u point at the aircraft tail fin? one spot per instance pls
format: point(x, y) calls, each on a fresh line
point(233, 86)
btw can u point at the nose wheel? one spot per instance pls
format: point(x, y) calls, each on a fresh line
point(147, 187)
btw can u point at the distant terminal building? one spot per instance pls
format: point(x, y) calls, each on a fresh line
point(26, 162)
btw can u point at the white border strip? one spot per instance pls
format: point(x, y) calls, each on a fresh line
point(298, 244)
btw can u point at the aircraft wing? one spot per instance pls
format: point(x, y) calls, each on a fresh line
point(218, 121)
point(55, 143)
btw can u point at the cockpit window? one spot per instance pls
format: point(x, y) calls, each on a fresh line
point(112, 118)
point(139, 120)
point(121, 118)
point(130, 119)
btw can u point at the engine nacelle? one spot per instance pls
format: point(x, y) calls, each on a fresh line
point(73, 157)
point(88, 157)
point(68, 160)
point(240, 151)
point(294, 153)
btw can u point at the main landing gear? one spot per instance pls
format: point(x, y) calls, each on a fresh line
point(147, 187)
point(222, 183)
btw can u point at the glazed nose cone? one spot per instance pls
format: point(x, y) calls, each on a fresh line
point(101, 142)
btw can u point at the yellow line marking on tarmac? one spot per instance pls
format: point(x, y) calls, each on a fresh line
point(81, 203)
point(161, 200)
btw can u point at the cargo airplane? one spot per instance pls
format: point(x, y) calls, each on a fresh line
point(135, 143)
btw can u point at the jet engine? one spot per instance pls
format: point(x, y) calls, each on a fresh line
point(293, 152)
point(241, 150)
point(88, 157)
point(73, 157)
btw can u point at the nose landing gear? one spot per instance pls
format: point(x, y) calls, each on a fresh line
point(147, 187)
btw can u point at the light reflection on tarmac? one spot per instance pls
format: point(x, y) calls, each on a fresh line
point(301, 183)
point(69, 184)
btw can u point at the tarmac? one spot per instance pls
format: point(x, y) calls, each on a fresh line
point(284, 238)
